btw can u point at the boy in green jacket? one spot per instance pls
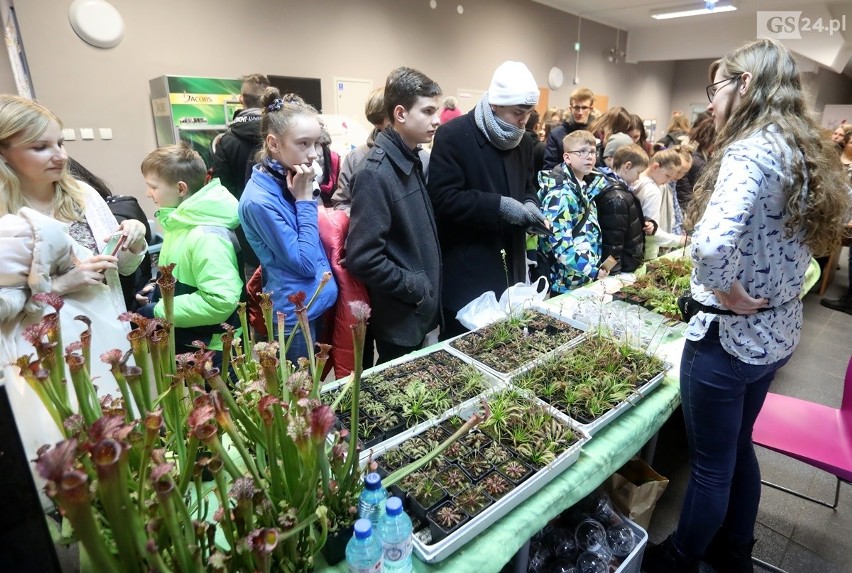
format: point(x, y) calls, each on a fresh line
point(198, 224)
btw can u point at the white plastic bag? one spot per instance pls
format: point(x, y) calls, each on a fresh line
point(485, 309)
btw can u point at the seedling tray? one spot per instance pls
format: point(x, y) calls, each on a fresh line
point(507, 374)
point(435, 552)
point(591, 428)
point(489, 381)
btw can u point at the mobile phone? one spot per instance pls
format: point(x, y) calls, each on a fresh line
point(608, 263)
point(114, 244)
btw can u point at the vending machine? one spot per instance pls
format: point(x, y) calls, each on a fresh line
point(195, 110)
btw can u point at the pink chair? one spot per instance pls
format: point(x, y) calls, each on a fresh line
point(810, 432)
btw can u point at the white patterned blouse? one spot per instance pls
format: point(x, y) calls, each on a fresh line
point(741, 237)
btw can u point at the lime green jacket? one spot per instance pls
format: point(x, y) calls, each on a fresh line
point(198, 238)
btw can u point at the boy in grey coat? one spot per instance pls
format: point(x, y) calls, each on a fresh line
point(392, 246)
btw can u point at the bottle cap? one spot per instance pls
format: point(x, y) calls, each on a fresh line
point(373, 481)
point(393, 506)
point(363, 529)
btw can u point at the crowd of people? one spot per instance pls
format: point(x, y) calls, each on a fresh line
point(752, 184)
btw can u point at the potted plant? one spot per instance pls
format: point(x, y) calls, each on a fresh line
point(128, 476)
point(473, 500)
point(444, 520)
point(496, 485)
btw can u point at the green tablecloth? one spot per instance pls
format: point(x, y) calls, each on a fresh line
point(607, 451)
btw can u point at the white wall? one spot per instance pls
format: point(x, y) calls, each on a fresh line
point(90, 87)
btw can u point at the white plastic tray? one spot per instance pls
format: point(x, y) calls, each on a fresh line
point(593, 427)
point(491, 382)
point(549, 310)
point(432, 553)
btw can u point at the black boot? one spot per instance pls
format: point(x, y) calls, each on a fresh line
point(725, 556)
point(665, 558)
point(843, 304)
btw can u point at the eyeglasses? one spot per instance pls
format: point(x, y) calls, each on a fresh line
point(714, 87)
point(583, 152)
point(581, 108)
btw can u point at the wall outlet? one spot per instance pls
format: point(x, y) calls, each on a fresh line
point(87, 133)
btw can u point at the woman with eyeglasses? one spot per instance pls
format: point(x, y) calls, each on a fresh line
point(772, 195)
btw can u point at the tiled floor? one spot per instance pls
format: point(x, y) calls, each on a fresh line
point(793, 534)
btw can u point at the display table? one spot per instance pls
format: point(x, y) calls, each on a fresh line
point(610, 448)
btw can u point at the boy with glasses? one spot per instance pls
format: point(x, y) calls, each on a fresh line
point(582, 101)
point(567, 200)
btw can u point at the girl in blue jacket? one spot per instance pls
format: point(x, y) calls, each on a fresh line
point(278, 212)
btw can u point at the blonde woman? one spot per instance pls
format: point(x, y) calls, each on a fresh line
point(34, 173)
point(771, 196)
point(54, 230)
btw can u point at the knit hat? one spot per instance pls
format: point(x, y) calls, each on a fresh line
point(513, 84)
point(615, 141)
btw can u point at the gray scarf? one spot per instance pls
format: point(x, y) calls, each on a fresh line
point(500, 134)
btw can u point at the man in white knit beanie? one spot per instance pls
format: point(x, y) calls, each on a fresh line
point(483, 192)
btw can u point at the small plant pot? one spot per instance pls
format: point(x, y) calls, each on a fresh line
point(476, 440)
point(440, 531)
point(334, 549)
point(498, 478)
point(474, 509)
point(508, 470)
point(497, 453)
point(420, 510)
point(456, 451)
point(443, 479)
point(475, 471)
point(452, 424)
point(394, 430)
point(435, 434)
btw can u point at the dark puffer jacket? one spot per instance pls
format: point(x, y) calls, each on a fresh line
point(621, 220)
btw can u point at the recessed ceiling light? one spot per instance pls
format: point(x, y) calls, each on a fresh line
point(691, 10)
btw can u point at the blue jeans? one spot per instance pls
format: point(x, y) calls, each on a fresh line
point(721, 399)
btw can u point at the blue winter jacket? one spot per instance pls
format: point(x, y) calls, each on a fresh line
point(285, 236)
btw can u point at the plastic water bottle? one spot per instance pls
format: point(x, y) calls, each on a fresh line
point(395, 534)
point(371, 504)
point(364, 552)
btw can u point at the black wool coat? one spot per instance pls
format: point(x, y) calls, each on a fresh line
point(392, 245)
point(467, 178)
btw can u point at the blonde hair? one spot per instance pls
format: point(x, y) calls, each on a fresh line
point(579, 136)
point(177, 162)
point(775, 97)
point(24, 121)
point(668, 158)
point(582, 94)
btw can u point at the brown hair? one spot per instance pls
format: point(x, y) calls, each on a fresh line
point(632, 153)
point(252, 89)
point(613, 120)
point(374, 109)
point(279, 113)
point(815, 185)
point(177, 162)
